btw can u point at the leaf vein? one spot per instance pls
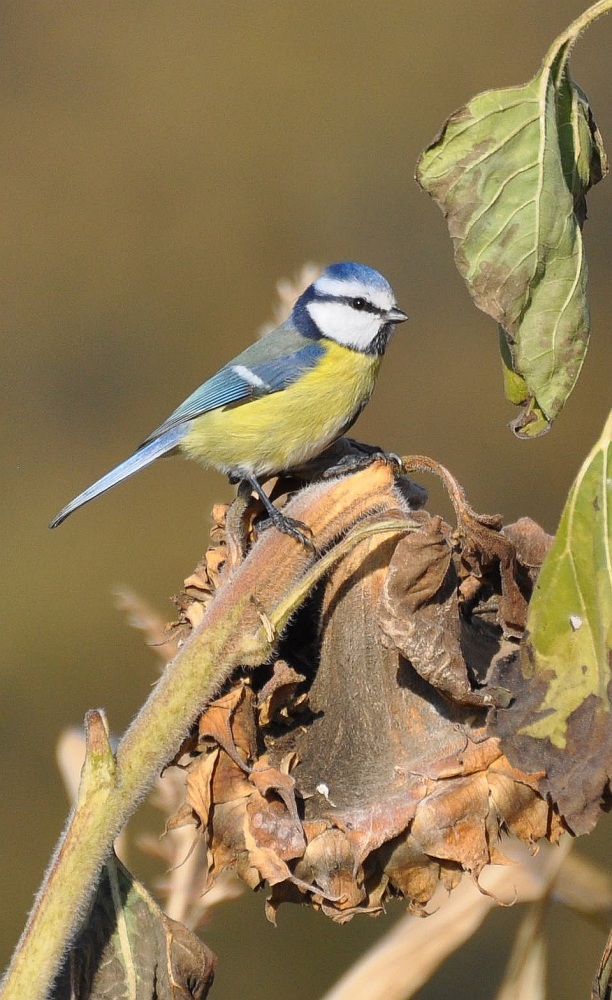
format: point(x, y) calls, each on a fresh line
point(489, 206)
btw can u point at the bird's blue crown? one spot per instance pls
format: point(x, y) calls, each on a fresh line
point(345, 272)
point(348, 270)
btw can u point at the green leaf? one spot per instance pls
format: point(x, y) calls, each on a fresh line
point(558, 726)
point(569, 625)
point(532, 421)
point(510, 171)
point(583, 157)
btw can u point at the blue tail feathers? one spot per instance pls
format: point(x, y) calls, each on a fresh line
point(139, 460)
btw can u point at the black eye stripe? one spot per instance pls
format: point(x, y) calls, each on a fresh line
point(348, 300)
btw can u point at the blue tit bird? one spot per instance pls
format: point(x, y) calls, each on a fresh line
point(287, 397)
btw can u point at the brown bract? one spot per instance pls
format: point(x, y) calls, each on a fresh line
point(357, 764)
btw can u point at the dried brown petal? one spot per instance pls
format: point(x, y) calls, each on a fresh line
point(229, 722)
point(278, 692)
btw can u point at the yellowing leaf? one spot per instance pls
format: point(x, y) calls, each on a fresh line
point(569, 624)
point(510, 171)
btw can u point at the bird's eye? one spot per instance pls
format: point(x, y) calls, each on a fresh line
point(359, 304)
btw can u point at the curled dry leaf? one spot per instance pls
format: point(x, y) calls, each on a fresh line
point(418, 613)
point(357, 764)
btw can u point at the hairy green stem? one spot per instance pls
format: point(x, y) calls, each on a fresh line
point(235, 631)
point(107, 799)
point(574, 30)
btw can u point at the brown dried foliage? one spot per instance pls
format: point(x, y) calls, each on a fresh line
point(357, 765)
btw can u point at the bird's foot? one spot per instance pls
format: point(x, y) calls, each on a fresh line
point(289, 526)
point(276, 519)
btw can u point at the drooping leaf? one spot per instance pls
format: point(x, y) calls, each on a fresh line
point(560, 722)
point(510, 171)
point(583, 157)
point(570, 615)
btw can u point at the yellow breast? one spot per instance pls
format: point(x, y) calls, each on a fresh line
point(273, 433)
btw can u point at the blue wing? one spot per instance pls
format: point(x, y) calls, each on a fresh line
point(268, 365)
point(255, 372)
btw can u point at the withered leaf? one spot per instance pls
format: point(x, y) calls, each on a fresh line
point(418, 613)
point(278, 691)
point(130, 948)
point(266, 778)
point(330, 861)
point(486, 548)
point(199, 789)
point(419, 567)
point(485, 552)
point(530, 541)
point(269, 826)
point(228, 721)
point(413, 872)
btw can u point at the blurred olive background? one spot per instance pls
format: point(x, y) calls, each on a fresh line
point(163, 166)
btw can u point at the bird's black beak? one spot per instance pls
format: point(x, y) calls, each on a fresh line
point(395, 315)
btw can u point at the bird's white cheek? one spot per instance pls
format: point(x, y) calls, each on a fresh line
point(340, 322)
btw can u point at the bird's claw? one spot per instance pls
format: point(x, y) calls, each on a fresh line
point(289, 526)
